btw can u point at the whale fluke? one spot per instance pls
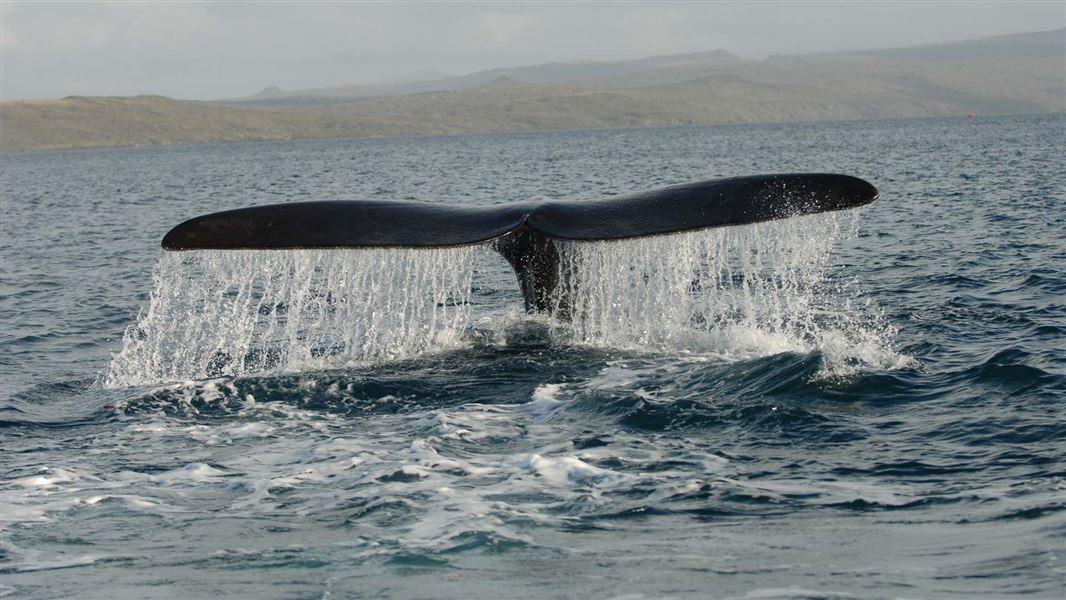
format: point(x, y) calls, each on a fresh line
point(522, 232)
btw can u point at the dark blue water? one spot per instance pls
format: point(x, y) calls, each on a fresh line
point(892, 427)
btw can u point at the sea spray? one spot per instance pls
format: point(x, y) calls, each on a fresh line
point(744, 291)
point(226, 313)
point(749, 290)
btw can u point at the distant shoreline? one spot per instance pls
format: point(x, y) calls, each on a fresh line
point(181, 144)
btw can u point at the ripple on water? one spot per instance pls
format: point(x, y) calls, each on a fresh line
point(878, 417)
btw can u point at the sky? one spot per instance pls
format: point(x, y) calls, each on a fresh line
point(212, 50)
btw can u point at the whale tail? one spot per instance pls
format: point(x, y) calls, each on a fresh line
point(523, 233)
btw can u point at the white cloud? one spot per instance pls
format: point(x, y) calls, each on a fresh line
point(211, 50)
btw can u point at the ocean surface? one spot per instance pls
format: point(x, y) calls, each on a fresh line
point(866, 404)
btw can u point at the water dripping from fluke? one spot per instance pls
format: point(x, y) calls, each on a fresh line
point(317, 285)
point(218, 313)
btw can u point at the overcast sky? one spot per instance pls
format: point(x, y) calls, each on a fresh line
point(211, 50)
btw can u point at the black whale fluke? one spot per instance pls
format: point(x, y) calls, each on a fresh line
point(522, 232)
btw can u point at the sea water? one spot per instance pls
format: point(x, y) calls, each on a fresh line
point(861, 404)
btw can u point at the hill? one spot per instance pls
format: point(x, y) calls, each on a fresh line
point(88, 122)
point(1023, 73)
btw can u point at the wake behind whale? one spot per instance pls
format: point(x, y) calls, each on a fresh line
point(748, 289)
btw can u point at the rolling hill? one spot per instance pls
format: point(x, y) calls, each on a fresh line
point(1024, 73)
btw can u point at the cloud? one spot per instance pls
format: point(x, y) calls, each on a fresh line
point(212, 50)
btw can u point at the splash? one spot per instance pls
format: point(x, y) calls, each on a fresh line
point(747, 291)
point(216, 313)
point(753, 290)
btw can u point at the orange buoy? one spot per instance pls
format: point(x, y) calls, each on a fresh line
point(969, 115)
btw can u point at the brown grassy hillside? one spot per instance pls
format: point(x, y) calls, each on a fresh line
point(1004, 75)
point(84, 122)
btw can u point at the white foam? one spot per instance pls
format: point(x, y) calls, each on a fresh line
point(545, 401)
point(51, 477)
point(190, 473)
point(568, 469)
